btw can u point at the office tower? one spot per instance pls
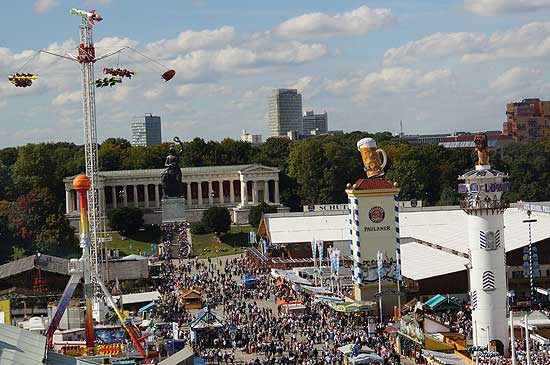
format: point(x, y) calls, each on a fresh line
point(315, 123)
point(285, 112)
point(147, 132)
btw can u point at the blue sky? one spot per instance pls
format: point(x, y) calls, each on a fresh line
point(440, 66)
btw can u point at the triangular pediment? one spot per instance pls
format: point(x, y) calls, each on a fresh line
point(255, 169)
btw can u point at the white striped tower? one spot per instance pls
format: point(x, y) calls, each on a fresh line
point(483, 189)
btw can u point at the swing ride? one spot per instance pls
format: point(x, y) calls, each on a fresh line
point(89, 268)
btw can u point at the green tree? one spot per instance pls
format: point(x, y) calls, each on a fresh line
point(256, 212)
point(274, 152)
point(195, 153)
point(111, 157)
point(117, 141)
point(216, 219)
point(322, 167)
point(449, 196)
point(34, 169)
point(126, 220)
point(57, 237)
point(28, 215)
point(528, 165)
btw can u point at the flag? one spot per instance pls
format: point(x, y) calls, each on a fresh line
point(380, 263)
point(314, 249)
point(320, 248)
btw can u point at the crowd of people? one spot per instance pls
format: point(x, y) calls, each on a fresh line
point(261, 335)
point(175, 234)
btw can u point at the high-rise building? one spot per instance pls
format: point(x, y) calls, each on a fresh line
point(285, 112)
point(147, 132)
point(315, 123)
point(527, 120)
point(255, 139)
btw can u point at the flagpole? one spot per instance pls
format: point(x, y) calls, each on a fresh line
point(379, 257)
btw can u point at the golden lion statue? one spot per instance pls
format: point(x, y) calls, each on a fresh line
point(482, 148)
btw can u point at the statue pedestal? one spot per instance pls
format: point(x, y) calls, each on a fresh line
point(173, 210)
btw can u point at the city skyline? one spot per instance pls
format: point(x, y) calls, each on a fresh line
point(438, 66)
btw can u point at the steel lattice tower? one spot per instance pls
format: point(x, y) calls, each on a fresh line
point(86, 58)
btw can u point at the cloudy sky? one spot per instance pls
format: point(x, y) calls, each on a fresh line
point(438, 65)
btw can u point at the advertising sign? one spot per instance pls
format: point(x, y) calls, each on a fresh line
point(5, 313)
point(325, 207)
point(376, 226)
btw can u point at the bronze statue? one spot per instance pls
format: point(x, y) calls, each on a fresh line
point(170, 177)
point(482, 148)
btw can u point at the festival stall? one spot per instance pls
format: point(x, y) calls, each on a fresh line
point(206, 325)
point(191, 299)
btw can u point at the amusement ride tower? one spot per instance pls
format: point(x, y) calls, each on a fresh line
point(483, 202)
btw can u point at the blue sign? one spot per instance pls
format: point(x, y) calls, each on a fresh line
point(474, 188)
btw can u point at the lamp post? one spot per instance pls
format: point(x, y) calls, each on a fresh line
point(531, 283)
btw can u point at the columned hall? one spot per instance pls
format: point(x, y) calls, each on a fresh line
point(236, 186)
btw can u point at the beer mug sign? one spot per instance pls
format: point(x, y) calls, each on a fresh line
point(374, 167)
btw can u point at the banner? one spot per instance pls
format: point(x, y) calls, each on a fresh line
point(314, 250)
point(320, 248)
point(251, 237)
point(336, 258)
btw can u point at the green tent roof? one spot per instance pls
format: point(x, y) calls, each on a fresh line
point(439, 299)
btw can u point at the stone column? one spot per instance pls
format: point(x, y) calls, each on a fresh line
point(125, 196)
point(67, 201)
point(136, 200)
point(101, 197)
point(146, 195)
point(244, 193)
point(210, 197)
point(199, 192)
point(231, 191)
point(113, 195)
point(157, 196)
point(254, 192)
point(189, 197)
point(220, 191)
point(266, 191)
point(276, 186)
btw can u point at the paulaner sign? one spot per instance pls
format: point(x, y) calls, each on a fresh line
point(377, 215)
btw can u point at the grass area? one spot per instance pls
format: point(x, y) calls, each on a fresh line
point(233, 242)
point(138, 243)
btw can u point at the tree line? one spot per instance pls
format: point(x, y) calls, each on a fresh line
point(313, 171)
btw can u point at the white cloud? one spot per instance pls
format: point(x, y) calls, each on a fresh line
point(398, 80)
point(192, 40)
point(516, 78)
point(64, 98)
point(35, 132)
point(524, 42)
point(190, 90)
point(357, 22)
point(41, 6)
point(436, 45)
point(497, 7)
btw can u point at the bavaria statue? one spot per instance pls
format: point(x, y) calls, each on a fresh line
point(170, 177)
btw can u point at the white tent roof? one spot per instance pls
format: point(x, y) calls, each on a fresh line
point(290, 228)
point(447, 228)
point(416, 266)
point(139, 297)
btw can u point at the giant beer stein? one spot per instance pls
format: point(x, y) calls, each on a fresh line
point(371, 157)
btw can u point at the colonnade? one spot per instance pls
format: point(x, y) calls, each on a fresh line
point(197, 192)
